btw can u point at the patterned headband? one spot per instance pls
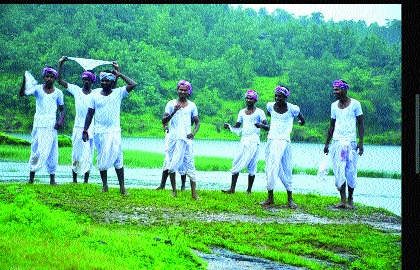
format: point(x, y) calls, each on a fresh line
point(340, 84)
point(88, 74)
point(108, 76)
point(49, 69)
point(185, 83)
point(283, 90)
point(251, 94)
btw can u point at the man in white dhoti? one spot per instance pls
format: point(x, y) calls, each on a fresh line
point(346, 112)
point(105, 106)
point(82, 152)
point(250, 141)
point(44, 146)
point(182, 113)
point(165, 166)
point(278, 151)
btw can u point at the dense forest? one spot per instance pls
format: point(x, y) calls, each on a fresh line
point(221, 50)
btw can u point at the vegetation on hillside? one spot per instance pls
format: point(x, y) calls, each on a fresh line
point(221, 50)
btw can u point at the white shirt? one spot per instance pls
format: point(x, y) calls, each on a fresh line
point(107, 109)
point(249, 131)
point(46, 105)
point(82, 102)
point(180, 123)
point(345, 124)
point(281, 125)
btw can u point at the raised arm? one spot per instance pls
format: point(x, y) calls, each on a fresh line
point(60, 69)
point(22, 87)
point(130, 83)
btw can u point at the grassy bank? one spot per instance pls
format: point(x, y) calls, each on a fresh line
point(141, 159)
point(73, 226)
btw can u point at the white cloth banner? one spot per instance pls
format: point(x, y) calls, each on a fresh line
point(89, 64)
point(30, 81)
point(324, 167)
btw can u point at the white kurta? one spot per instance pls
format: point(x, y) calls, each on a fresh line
point(249, 148)
point(107, 133)
point(82, 152)
point(180, 148)
point(343, 146)
point(44, 147)
point(278, 151)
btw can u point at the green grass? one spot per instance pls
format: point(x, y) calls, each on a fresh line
point(73, 226)
point(141, 159)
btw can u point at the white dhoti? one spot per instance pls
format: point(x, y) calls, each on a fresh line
point(44, 149)
point(181, 157)
point(82, 152)
point(278, 163)
point(246, 158)
point(110, 152)
point(344, 163)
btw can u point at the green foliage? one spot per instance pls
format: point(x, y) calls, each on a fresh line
point(222, 51)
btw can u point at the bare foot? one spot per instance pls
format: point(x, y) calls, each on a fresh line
point(267, 202)
point(125, 192)
point(340, 205)
point(351, 205)
point(196, 197)
point(292, 205)
point(228, 191)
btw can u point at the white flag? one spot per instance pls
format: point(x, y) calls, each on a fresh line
point(89, 64)
point(30, 81)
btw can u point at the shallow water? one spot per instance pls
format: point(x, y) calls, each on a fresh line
point(377, 192)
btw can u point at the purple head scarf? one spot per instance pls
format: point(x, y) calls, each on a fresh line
point(90, 75)
point(340, 84)
point(283, 90)
point(251, 94)
point(108, 76)
point(49, 69)
point(185, 83)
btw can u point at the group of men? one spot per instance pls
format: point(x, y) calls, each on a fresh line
point(97, 123)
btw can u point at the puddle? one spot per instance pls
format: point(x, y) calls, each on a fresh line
point(227, 260)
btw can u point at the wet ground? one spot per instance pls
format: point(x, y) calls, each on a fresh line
point(383, 193)
point(377, 192)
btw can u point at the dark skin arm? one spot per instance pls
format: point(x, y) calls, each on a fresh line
point(60, 123)
point(60, 69)
point(361, 129)
point(196, 121)
point(301, 119)
point(130, 83)
point(226, 125)
point(88, 121)
point(264, 125)
point(167, 117)
point(22, 87)
point(329, 135)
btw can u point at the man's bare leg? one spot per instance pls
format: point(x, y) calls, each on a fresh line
point(104, 178)
point(173, 183)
